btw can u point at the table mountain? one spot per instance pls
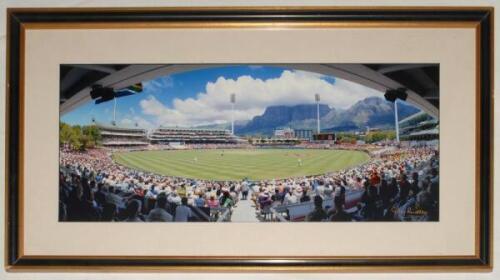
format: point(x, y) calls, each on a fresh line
point(280, 116)
point(374, 112)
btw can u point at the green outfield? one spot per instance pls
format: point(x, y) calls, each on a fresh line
point(255, 164)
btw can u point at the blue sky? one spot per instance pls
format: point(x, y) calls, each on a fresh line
point(202, 96)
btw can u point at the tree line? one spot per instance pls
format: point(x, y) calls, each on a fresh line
point(376, 136)
point(370, 137)
point(79, 137)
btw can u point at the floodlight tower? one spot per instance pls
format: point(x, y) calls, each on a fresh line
point(316, 96)
point(114, 111)
point(233, 100)
point(396, 119)
point(393, 95)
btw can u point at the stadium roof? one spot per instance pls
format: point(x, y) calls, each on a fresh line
point(191, 129)
point(420, 80)
point(428, 122)
point(420, 114)
point(433, 131)
point(123, 128)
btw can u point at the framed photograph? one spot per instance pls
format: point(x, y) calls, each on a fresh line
point(250, 139)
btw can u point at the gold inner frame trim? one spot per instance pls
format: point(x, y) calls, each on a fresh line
point(250, 8)
point(253, 268)
point(267, 26)
point(239, 25)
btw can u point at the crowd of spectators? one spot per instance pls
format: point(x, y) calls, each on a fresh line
point(92, 187)
point(399, 185)
point(396, 185)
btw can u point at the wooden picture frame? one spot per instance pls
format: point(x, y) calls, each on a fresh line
point(21, 20)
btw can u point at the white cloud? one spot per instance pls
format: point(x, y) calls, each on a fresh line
point(252, 97)
point(126, 122)
point(141, 122)
point(158, 85)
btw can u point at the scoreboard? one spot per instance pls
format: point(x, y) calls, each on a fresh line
point(324, 137)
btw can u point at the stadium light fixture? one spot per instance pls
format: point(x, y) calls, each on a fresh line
point(102, 94)
point(392, 95)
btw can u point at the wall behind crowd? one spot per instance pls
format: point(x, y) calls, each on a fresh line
point(217, 276)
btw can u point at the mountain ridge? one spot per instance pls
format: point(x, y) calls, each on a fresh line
point(373, 112)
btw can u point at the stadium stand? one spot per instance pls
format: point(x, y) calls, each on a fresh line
point(418, 127)
point(118, 137)
point(191, 136)
point(274, 142)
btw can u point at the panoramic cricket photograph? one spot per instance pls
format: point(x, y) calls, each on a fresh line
point(279, 143)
